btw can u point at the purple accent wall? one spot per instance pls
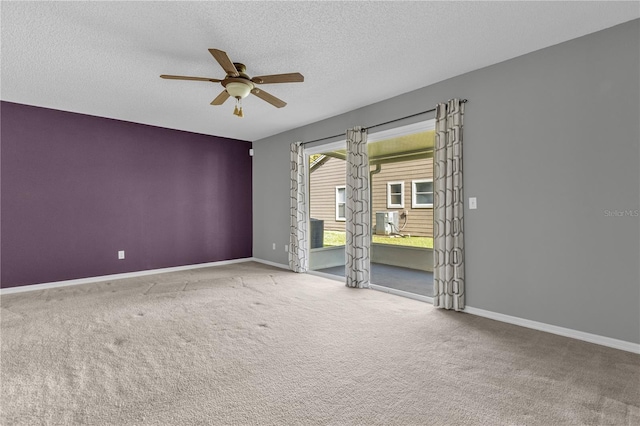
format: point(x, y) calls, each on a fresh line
point(77, 188)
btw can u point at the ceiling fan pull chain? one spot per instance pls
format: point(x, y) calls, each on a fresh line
point(240, 114)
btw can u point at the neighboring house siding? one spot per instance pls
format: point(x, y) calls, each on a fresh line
point(324, 180)
point(323, 192)
point(420, 220)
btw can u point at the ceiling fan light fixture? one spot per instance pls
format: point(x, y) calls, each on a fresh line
point(238, 90)
point(237, 84)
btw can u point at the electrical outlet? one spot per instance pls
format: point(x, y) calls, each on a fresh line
point(286, 248)
point(120, 254)
point(473, 203)
point(274, 246)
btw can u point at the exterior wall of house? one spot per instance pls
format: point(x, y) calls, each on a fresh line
point(322, 192)
point(419, 220)
point(324, 180)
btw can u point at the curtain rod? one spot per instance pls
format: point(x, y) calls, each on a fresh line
point(381, 124)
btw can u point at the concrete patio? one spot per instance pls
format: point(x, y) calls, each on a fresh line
point(404, 279)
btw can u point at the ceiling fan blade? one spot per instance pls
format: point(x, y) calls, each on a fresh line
point(219, 100)
point(224, 62)
point(278, 103)
point(182, 77)
point(294, 77)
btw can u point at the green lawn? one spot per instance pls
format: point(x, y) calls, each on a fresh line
point(337, 238)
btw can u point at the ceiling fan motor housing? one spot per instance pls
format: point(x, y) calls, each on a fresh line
point(242, 69)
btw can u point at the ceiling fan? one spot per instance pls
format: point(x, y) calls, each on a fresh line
point(238, 84)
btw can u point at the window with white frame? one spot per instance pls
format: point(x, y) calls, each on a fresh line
point(395, 195)
point(341, 200)
point(422, 194)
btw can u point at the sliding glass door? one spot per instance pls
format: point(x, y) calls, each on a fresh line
point(401, 162)
point(327, 201)
point(401, 180)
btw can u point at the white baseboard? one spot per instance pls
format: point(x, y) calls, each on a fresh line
point(535, 325)
point(561, 331)
point(44, 286)
point(267, 262)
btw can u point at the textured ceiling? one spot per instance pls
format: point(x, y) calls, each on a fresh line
point(105, 58)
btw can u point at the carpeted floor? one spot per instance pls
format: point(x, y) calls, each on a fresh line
point(248, 344)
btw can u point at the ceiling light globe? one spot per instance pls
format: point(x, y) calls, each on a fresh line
point(238, 90)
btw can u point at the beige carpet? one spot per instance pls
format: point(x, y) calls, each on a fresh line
point(250, 344)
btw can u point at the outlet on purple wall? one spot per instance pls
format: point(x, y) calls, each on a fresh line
point(78, 189)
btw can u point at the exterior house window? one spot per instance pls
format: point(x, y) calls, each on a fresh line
point(341, 199)
point(422, 194)
point(395, 195)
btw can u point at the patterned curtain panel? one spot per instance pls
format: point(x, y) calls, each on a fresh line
point(448, 224)
point(298, 245)
point(358, 212)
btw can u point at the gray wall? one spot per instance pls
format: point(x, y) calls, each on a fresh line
point(551, 144)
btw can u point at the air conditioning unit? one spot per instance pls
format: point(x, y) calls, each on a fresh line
point(316, 233)
point(387, 223)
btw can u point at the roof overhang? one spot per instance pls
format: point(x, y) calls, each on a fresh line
point(402, 148)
